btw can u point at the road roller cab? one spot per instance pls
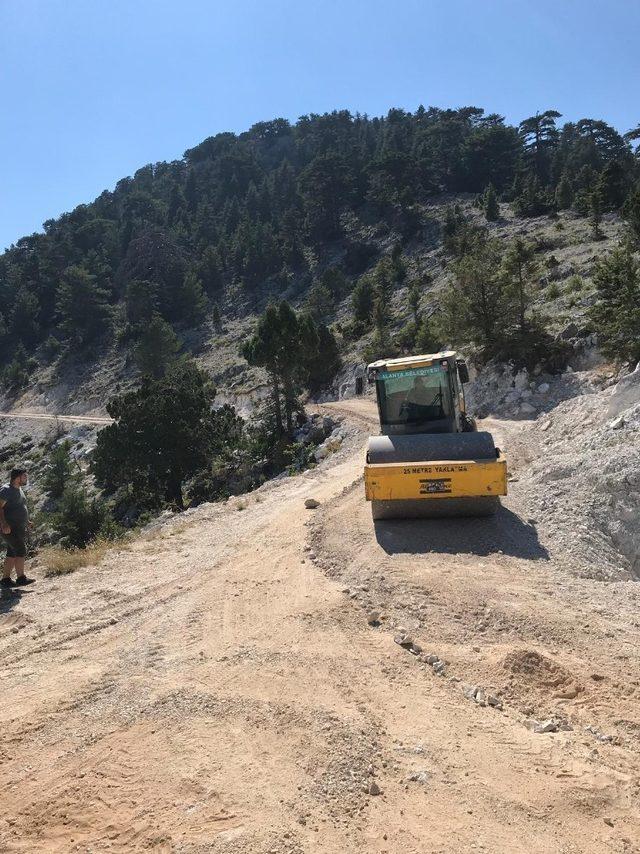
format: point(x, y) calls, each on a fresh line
point(421, 394)
point(429, 459)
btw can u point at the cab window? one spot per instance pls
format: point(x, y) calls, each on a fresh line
point(409, 397)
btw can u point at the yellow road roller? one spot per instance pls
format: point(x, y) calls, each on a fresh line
point(429, 459)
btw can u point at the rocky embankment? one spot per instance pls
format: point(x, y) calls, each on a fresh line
point(575, 464)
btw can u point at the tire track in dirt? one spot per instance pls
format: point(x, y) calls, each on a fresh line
point(243, 703)
point(484, 595)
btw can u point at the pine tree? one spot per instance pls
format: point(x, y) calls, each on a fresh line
point(4, 337)
point(83, 307)
point(633, 136)
point(616, 314)
point(614, 184)
point(210, 271)
point(157, 348)
point(456, 232)
point(60, 472)
point(414, 296)
point(381, 344)
point(16, 374)
point(585, 183)
point(595, 200)
point(327, 186)
point(474, 307)
point(252, 203)
point(534, 199)
point(216, 316)
point(163, 433)
point(381, 313)
point(319, 302)
point(519, 268)
point(324, 362)
point(398, 265)
point(631, 214)
point(384, 279)
point(453, 218)
point(564, 193)
point(191, 190)
point(50, 349)
point(190, 301)
point(540, 137)
point(362, 300)
point(177, 204)
point(600, 142)
point(276, 347)
point(426, 339)
point(24, 324)
point(490, 204)
point(336, 283)
point(142, 301)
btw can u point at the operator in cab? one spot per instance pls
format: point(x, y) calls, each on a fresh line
point(419, 394)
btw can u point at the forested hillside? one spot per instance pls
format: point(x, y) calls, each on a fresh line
point(274, 257)
point(294, 210)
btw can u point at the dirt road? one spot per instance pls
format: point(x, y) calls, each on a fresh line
point(63, 419)
point(215, 687)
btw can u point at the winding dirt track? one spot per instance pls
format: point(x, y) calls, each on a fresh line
point(213, 687)
point(97, 420)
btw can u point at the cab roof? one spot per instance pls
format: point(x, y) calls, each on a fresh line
point(411, 361)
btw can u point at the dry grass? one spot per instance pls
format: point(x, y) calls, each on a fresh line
point(175, 530)
point(59, 561)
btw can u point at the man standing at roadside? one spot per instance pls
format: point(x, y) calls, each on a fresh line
point(14, 522)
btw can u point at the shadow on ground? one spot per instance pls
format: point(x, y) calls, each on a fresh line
point(9, 598)
point(483, 536)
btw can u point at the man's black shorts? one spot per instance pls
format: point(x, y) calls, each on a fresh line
point(15, 542)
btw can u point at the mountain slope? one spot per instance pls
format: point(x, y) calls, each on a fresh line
point(263, 214)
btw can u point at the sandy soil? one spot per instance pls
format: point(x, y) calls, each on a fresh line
point(215, 686)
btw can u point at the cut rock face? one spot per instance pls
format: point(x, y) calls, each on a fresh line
point(583, 484)
point(626, 394)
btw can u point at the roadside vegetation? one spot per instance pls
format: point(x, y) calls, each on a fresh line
point(170, 446)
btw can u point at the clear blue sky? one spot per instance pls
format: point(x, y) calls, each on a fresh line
point(93, 89)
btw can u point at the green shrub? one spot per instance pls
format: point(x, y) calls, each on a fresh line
point(15, 377)
point(80, 520)
point(51, 349)
point(60, 471)
point(553, 291)
point(574, 284)
point(534, 347)
point(229, 474)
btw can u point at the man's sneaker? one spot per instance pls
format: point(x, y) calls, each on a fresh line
point(6, 582)
point(22, 581)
